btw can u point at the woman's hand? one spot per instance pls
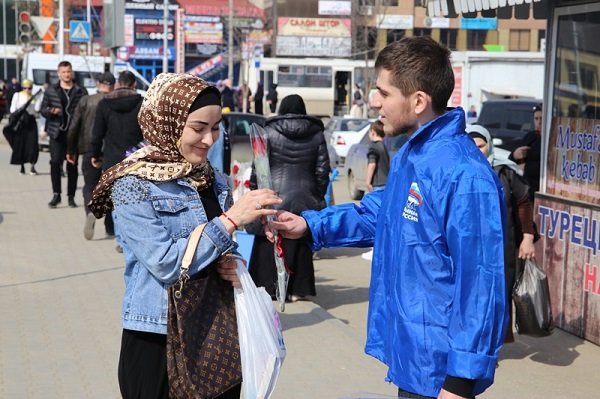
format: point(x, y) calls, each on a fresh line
point(527, 249)
point(227, 267)
point(251, 206)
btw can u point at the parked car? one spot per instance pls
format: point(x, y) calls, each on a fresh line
point(238, 125)
point(343, 132)
point(356, 161)
point(508, 121)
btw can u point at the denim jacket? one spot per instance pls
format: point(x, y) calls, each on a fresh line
point(153, 221)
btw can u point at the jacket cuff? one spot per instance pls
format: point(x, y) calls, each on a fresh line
point(459, 386)
point(313, 224)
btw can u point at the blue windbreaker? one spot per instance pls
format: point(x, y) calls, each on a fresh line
point(437, 302)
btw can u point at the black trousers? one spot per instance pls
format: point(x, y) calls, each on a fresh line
point(91, 176)
point(402, 394)
point(143, 367)
point(58, 154)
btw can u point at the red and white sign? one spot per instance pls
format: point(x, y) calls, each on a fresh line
point(129, 30)
point(315, 27)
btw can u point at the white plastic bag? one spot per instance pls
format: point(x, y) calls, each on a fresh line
point(262, 349)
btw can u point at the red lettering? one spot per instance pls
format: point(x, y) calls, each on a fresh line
point(590, 278)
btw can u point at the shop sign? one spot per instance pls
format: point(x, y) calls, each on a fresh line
point(385, 21)
point(318, 27)
point(573, 159)
point(314, 46)
point(335, 7)
point(200, 29)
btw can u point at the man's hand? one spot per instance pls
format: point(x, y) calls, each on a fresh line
point(447, 395)
point(72, 159)
point(520, 153)
point(369, 187)
point(96, 163)
point(55, 110)
point(288, 225)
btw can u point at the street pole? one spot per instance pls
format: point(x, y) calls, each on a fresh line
point(61, 29)
point(230, 43)
point(4, 38)
point(89, 21)
point(166, 36)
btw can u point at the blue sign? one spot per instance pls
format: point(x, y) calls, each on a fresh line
point(80, 31)
point(479, 23)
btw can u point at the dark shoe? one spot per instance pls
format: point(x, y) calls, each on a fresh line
point(72, 203)
point(22, 169)
point(33, 172)
point(54, 201)
point(88, 228)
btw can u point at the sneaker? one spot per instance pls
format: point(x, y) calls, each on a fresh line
point(54, 201)
point(33, 172)
point(72, 203)
point(367, 255)
point(119, 249)
point(88, 228)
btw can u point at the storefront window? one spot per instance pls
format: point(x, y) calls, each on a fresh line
point(576, 80)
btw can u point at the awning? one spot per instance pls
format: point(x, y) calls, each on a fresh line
point(503, 9)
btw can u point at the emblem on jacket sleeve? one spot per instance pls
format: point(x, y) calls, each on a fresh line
point(413, 201)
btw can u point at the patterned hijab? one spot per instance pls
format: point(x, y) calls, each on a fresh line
point(162, 118)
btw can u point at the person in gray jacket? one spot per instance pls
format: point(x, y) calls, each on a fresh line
point(79, 137)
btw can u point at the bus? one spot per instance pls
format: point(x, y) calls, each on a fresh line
point(326, 85)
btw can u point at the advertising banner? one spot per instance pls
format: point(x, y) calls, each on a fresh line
point(314, 46)
point(569, 253)
point(456, 97)
point(573, 159)
point(338, 7)
point(314, 27)
point(199, 29)
point(152, 29)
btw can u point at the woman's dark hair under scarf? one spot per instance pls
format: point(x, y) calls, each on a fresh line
point(292, 104)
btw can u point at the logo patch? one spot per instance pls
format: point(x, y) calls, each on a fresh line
point(413, 202)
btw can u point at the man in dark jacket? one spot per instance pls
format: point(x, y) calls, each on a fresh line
point(116, 128)
point(58, 107)
point(78, 142)
point(529, 153)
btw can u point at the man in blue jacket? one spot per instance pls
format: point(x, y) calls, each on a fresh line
point(437, 302)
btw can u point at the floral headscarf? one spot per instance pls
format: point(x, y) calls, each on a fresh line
point(162, 118)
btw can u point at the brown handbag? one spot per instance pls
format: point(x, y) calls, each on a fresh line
point(203, 350)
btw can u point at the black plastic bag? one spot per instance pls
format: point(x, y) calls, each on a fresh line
point(533, 315)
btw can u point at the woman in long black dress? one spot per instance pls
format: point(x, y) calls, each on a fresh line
point(300, 169)
point(25, 143)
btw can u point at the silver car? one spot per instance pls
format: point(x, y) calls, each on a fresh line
point(356, 162)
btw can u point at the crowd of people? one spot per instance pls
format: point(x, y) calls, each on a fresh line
point(443, 259)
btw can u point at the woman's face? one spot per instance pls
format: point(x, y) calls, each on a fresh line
point(201, 130)
point(482, 145)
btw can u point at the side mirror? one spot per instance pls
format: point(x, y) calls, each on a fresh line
point(497, 142)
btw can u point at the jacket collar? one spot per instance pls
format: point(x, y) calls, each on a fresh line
point(446, 125)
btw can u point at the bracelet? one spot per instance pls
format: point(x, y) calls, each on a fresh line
point(231, 220)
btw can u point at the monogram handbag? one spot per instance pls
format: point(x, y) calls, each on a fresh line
point(203, 351)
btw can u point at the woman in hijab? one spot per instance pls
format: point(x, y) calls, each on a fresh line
point(300, 169)
point(25, 143)
point(519, 227)
point(258, 99)
point(159, 194)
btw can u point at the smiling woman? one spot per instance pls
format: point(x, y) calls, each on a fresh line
point(161, 195)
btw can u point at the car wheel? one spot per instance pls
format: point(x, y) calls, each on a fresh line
point(354, 192)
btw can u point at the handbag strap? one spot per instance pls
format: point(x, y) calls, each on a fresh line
point(188, 256)
point(23, 107)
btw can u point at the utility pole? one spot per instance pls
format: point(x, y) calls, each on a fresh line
point(89, 21)
point(166, 36)
point(230, 43)
point(61, 29)
point(4, 38)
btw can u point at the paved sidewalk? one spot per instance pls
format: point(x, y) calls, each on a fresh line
point(60, 310)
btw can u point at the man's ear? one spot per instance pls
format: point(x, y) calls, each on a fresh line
point(422, 102)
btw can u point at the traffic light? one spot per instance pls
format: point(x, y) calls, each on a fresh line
point(25, 28)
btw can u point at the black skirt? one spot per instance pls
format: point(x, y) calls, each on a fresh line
point(25, 147)
point(298, 259)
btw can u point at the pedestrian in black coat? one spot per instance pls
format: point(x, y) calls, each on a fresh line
point(299, 164)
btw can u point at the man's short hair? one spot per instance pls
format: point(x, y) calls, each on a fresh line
point(419, 64)
point(377, 127)
point(106, 78)
point(64, 64)
point(126, 79)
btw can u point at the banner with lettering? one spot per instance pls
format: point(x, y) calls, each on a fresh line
point(569, 250)
point(573, 159)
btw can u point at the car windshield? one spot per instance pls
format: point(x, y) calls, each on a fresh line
point(347, 125)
